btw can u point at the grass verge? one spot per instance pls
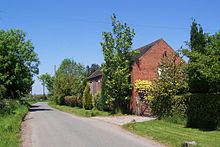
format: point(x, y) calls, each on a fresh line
point(174, 134)
point(79, 111)
point(10, 127)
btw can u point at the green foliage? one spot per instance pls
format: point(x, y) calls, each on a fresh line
point(197, 37)
point(18, 63)
point(7, 106)
point(70, 101)
point(98, 102)
point(2, 92)
point(103, 100)
point(203, 111)
point(48, 81)
point(80, 111)
point(204, 61)
point(70, 80)
point(171, 81)
point(60, 99)
point(118, 57)
point(87, 98)
point(10, 126)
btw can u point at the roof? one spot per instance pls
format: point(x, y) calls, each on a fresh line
point(142, 50)
point(145, 48)
point(95, 74)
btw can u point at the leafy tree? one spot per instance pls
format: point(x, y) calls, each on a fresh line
point(92, 68)
point(87, 98)
point(118, 55)
point(203, 67)
point(197, 37)
point(171, 81)
point(47, 81)
point(69, 79)
point(18, 63)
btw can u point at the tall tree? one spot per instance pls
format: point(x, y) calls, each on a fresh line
point(203, 67)
point(47, 81)
point(118, 55)
point(69, 78)
point(18, 62)
point(197, 37)
point(171, 80)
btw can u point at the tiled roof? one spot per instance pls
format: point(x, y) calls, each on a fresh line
point(96, 73)
point(142, 50)
point(145, 48)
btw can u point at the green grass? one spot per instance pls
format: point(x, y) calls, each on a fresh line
point(10, 127)
point(172, 134)
point(79, 111)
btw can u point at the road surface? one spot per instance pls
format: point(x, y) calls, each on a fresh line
point(48, 127)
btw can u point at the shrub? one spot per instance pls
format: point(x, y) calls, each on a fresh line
point(7, 106)
point(70, 101)
point(87, 98)
point(59, 99)
point(2, 92)
point(96, 100)
point(203, 111)
point(144, 89)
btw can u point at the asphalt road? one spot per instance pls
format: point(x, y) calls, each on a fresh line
point(48, 127)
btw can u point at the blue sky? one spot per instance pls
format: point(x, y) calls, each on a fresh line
point(62, 29)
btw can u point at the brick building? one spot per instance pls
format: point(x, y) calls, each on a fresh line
point(145, 67)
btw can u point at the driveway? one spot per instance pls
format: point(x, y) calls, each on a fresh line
point(48, 127)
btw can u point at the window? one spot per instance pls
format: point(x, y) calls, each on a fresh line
point(164, 54)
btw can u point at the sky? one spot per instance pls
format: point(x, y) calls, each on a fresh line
point(73, 29)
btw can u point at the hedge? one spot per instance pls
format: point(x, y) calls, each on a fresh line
point(199, 110)
point(203, 111)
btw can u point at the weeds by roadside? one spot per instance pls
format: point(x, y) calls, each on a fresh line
point(10, 127)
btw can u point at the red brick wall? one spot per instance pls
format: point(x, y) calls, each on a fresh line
point(146, 68)
point(95, 82)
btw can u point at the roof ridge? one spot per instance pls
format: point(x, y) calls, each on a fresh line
point(145, 48)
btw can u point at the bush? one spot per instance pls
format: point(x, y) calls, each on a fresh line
point(7, 106)
point(2, 92)
point(70, 101)
point(59, 99)
point(203, 111)
point(171, 108)
point(87, 98)
point(161, 105)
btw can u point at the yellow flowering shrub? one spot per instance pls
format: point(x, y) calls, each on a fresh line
point(144, 87)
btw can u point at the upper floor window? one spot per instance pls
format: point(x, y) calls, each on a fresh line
point(164, 54)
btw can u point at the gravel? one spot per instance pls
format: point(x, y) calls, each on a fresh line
point(121, 120)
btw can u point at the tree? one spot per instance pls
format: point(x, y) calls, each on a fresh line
point(118, 57)
point(70, 79)
point(47, 81)
point(92, 68)
point(197, 37)
point(18, 63)
point(87, 98)
point(171, 81)
point(203, 68)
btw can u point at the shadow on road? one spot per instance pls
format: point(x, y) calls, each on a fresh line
point(34, 108)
